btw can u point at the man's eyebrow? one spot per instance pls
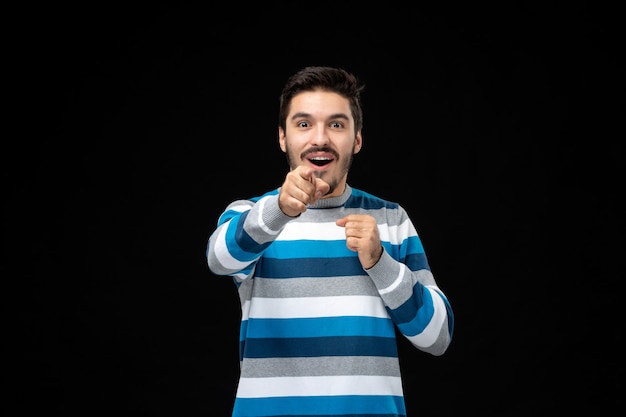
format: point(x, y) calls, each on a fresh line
point(299, 115)
point(339, 116)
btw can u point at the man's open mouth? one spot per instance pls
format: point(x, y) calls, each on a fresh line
point(320, 161)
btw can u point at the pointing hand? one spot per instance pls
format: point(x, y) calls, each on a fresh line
point(300, 189)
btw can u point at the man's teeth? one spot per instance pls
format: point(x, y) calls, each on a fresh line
point(320, 160)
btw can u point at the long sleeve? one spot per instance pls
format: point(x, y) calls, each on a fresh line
point(407, 286)
point(417, 306)
point(244, 231)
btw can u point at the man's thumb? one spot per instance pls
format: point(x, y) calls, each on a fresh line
point(322, 187)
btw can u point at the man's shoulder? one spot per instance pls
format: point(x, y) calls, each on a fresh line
point(364, 199)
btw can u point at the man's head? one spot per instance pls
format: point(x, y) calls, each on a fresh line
point(320, 122)
point(336, 80)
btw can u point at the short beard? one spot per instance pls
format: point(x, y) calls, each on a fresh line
point(333, 183)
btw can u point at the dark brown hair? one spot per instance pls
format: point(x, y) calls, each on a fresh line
point(336, 80)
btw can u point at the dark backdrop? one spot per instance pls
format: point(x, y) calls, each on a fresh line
point(487, 122)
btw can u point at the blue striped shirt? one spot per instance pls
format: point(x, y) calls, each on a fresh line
point(317, 334)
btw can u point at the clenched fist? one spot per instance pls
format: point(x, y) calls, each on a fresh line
point(362, 237)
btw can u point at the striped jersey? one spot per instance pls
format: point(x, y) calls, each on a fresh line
point(318, 332)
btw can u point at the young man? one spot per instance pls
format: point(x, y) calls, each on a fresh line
point(325, 272)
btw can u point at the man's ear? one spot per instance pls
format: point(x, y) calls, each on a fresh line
point(358, 142)
point(281, 139)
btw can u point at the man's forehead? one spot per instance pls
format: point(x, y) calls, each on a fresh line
point(319, 102)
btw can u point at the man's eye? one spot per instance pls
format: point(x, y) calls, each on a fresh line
point(336, 125)
point(303, 124)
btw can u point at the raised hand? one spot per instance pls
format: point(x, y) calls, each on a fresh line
point(300, 188)
point(362, 237)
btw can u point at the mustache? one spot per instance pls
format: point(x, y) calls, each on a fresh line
point(315, 149)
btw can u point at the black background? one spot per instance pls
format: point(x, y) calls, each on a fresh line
point(135, 126)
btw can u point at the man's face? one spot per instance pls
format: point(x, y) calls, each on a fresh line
point(320, 134)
